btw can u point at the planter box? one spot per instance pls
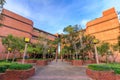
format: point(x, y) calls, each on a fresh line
point(69, 60)
point(27, 60)
point(49, 60)
point(92, 74)
point(2, 76)
point(30, 61)
point(41, 62)
point(89, 62)
point(77, 62)
point(19, 74)
point(117, 77)
point(101, 75)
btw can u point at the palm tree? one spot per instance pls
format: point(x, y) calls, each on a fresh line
point(43, 39)
point(103, 50)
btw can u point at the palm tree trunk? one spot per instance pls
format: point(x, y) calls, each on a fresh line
point(7, 55)
point(14, 56)
point(24, 53)
point(96, 55)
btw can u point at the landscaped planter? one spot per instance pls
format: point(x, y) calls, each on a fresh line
point(117, 77)
point(27, 60)
point(2, 76)
point(68, 60)
point(41, 62)
point(77, 62)
point(18, 74)
point(49, 60)
point(101, 75)
point(30, 61)
point(89, 62)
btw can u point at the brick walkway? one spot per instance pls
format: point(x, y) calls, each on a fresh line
point(60, 71)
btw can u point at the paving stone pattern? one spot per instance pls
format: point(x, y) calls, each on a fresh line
point(60, 71)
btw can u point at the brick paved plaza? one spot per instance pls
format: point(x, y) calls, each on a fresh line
point(60, 71)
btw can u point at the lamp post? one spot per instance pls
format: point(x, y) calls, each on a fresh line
point(9, 50)
point(96, 41)
point(27, 40)
point(48, 53)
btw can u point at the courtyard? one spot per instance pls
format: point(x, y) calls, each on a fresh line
point(60, 71)
point(59, 40)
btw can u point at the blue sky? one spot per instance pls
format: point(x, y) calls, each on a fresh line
point(53, 15)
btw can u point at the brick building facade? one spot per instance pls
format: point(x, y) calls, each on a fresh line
point(19, 26)
point(105, 28)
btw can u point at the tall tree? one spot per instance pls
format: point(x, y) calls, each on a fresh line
point(2, 2)
point(72, 31)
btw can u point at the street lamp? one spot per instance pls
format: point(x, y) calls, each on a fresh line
point(9, 50)
point(27, 40)
point(96, 41)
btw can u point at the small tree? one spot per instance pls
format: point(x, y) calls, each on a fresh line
point(16, 44)
point(103, 50)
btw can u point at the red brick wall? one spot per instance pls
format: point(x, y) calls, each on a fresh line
point(19, 74)
point(4, 31)
point(16, 16)
point(18, 26)
point(105, 28)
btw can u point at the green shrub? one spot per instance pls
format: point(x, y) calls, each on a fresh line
point(99, 67)
point(115, 67)
point(3, 69)
point(2, 60)
point(13, 66)
point(4, 66)
point(20, 66)
point(106, 67)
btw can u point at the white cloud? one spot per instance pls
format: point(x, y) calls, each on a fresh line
point(84, 22)
point(18, 8)
point(60, 31)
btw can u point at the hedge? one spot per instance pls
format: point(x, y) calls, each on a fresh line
point(20, 66)
point(13, 66)
point(106, 67)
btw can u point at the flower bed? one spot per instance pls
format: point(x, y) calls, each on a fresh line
point(104, 71)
